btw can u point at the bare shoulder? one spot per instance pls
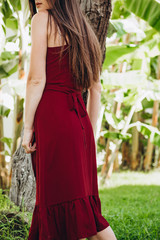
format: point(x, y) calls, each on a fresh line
point(39, 20)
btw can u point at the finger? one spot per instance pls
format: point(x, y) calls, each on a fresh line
point(34, 145)
point(26, 151)
point(27, 148)
point(33, 148)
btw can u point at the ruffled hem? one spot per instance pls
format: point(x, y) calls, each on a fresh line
point(70, 220)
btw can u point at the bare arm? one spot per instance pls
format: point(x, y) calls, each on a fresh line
point(93, 103)
point(37, 72)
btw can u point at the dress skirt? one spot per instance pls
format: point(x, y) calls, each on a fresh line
point(67, 204)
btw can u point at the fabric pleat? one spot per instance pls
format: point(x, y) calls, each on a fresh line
point(79, 218)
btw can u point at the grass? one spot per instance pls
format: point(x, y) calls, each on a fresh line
point(14, 224)
point(130, 203)
point(132, 211)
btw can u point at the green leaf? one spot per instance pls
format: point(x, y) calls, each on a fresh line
point(8, 67)
point(113, 53)
point(115, 135)
point(119, 10)
point(116, 26)
point(147, 104)
point(6, 140)
point(12, 38)
point(148, 132)
point(145, 131)
point(3, 74)
point(149, 10)
point(5, 153)
point(114, 121)
point(4, 111)
point(149, 34)
point(12, 23)
point(137, 64)
point(16, 5)
point(111, 30)
point(6, 10)
point(6, 55)
point(2, 34)
point(156, 139)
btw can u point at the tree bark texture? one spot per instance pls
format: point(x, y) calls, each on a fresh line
point(23, 186)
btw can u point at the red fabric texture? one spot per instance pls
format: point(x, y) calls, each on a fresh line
point(67, 204)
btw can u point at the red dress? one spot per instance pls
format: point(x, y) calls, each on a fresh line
point(67, 204)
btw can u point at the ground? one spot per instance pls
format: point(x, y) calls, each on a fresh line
point(130, 203)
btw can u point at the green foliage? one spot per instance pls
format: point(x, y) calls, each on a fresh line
point(12, 23)
point(6, 9)
point(8, 63)
point(148, 132)
point(6, 140)
point(14, 224)
point(148, 10)
point(119, 10)
point(16, 5)
point(130, 71)
point(132, 211)
point(124, 26)
point(115, 135)
point(113, 53)
point(4, 111)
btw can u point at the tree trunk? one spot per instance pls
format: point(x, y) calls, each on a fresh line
point(23, 189)
point(98, 14)
point(135, 144)
point(126, 156)
point(148, 157)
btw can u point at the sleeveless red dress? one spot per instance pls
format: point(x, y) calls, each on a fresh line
point(67, 204)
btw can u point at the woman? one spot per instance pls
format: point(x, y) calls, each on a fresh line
point(59, 129)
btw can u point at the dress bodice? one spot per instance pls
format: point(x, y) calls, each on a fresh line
point(58, 73)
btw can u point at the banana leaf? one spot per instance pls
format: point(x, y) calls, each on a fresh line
point(149, 10)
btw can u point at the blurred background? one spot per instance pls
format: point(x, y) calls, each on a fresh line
point(128, 128)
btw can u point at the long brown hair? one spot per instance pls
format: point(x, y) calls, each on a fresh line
point(85, 55)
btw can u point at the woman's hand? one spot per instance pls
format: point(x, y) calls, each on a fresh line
point(27, 141)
